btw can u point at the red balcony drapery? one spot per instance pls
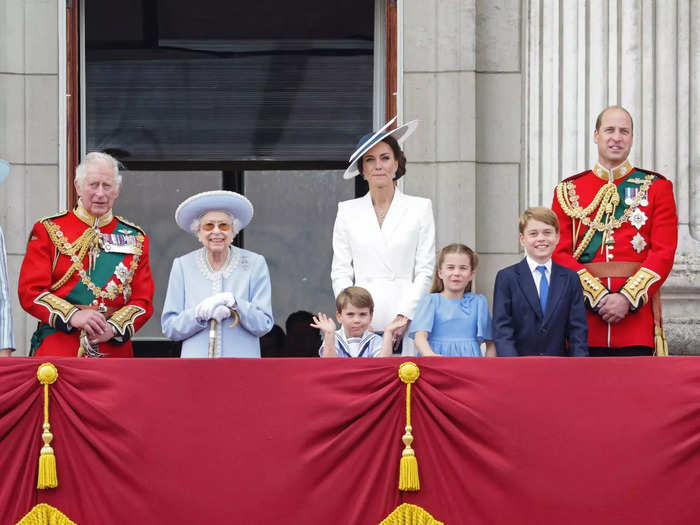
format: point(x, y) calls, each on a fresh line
point(522, 440)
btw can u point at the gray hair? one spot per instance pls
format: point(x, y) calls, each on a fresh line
point(97, 157)
point(197, 223)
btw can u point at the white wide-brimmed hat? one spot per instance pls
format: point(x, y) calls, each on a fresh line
point(218, 200)
point(400, 134)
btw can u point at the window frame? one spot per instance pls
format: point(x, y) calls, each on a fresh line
point(75, 131)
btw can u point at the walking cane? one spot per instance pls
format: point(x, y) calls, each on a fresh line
point(213, 329)
point(212, 337)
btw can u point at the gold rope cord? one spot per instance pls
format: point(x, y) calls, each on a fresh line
point(605, 201)
point(47, 374)
point(408, 466)
point(568, 200)
point(88, 241)
point(77, 250)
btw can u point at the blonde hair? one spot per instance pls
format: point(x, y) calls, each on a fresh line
point(356, 296)
point(538, 213)
point(437, 284)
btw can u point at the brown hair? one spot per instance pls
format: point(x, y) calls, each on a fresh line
point(599, 120)
point(356, 296)
point(538, 213)
point(398, 155)
point(437, 284)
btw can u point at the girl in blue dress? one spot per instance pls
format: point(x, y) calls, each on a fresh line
point(450, 320)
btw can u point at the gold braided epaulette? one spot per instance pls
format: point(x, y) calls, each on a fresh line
point(637, 286)
point(593, 288)
point(129, 223)
point(649, 172)
point(54, 216)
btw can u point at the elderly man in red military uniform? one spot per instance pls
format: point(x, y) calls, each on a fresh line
point(85, 275)
point(619, 231)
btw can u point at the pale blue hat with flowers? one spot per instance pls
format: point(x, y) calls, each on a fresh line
point(218, 200)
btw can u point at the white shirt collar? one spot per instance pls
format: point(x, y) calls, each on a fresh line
point(533, 264)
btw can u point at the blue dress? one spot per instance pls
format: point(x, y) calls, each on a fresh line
point(456, 327)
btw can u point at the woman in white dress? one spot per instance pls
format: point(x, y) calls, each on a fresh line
point(218, 282)
point(384, 241)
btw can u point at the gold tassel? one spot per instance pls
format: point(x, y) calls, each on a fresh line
point(408, 466)
point(407, 514)
point(43, 514)
point(47, 375)
point(660, 344)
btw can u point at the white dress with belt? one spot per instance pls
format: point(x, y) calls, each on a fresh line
point(394, 262)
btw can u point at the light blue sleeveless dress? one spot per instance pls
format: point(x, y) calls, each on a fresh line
point(456, 327)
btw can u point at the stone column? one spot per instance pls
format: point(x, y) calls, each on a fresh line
point(499, 106)
point(28, 131)
point(462, 80)
point(644, 56)
point(439, 89)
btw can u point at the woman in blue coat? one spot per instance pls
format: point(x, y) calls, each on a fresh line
point(218, 301)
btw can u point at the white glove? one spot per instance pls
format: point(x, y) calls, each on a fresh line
point(227, 299)
point(221, 312)
point(205, 309)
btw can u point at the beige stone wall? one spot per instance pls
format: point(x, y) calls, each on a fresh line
point(28, 130)
point(462, 79)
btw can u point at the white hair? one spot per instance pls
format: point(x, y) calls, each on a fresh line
point(197, 223)
point(97, 157)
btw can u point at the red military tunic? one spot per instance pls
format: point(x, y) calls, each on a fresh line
point(632, 220)
point(71, 263)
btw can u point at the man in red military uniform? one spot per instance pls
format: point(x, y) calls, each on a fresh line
point(85, 275)
point(619, 231)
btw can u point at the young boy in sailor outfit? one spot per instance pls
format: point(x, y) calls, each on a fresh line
point(354, 309)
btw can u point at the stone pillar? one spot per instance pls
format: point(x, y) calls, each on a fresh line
point(462, 80)
point(498, 138)
point(644, 56)
point(439, 89)
point(28, 131)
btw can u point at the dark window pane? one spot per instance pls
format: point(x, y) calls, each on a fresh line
point(229, 81)
point(149, 199)
point(292, 228)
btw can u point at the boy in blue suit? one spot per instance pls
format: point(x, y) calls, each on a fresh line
point(538, 306)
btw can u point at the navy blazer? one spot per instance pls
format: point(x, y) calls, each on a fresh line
point(518, 324)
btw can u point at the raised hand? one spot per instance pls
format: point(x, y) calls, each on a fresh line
point(324, 323)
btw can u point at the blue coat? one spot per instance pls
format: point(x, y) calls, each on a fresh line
point(191, 280)
point(518, 324)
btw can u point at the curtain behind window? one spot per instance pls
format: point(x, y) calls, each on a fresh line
point(215, 81)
